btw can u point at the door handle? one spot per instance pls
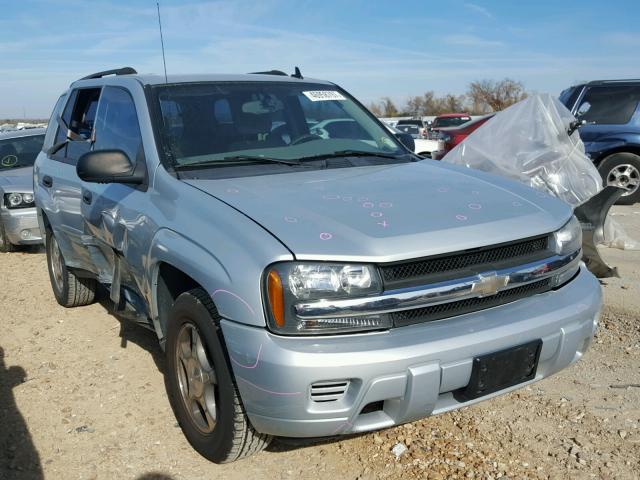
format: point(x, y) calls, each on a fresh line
point(87, 197)
point(47, 181)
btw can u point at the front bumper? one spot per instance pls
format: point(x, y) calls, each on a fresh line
point(405, 373)
point(21, 226)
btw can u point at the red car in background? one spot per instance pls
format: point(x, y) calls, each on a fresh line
point(451, 136)
point(444, 121)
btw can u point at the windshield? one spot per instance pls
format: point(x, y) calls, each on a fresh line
point(450, 121)
point(20, 151)
point(214, 124)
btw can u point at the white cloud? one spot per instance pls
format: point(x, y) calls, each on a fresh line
point(470, 40)
point(478, 9)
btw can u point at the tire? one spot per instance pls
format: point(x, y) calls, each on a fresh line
point(5, 245)
point(69, 289)
point(209, 410)
point(623, 170)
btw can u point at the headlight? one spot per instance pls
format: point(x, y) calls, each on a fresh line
point(568, 239)
point(18, 200)
point(289, 284)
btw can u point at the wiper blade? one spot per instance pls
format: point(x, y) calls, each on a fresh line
point(238, 159)
point(352, 153)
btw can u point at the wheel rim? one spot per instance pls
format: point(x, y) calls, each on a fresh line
point(196, 379)
point(624, 176)
point(56, 263)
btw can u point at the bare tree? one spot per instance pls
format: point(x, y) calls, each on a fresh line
point(388, 108)
point(492, 96)
point(375, 109)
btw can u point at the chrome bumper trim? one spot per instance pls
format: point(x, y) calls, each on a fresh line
point(482, 285)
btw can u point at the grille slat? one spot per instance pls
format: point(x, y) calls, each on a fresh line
point(427, 270)
point(446, 310)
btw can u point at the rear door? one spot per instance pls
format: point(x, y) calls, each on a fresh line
point(57, 175)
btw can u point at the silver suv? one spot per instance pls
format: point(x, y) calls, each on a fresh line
point(18, 221)
point(302, 285)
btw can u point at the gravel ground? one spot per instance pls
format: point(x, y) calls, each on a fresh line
point(82, 397)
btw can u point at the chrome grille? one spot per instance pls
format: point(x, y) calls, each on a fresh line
point(416, 272)
point(451, 309)
point(330, 391)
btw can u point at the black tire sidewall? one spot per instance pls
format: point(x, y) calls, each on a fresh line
point(216, 445)
point(60, 294)
point(617, 159)
point(6, 247)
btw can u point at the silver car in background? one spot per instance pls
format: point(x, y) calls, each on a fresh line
point(18, 220)
point(302, 285)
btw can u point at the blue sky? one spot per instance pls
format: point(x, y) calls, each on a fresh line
point(371, 48)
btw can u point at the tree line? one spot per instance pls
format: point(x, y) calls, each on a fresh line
point(482, 96)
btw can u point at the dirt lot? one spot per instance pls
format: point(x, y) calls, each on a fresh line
point(82, 397)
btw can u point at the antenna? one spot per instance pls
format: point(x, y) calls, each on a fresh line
point(164, 61)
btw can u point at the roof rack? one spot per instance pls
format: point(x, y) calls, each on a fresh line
point(621, 80)
point(270, 72)
point(280, 73)
point(115, 71)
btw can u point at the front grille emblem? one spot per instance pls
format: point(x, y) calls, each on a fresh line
point(489, 284)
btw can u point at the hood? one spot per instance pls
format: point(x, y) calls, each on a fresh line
point(391, 212)
point(20, 179)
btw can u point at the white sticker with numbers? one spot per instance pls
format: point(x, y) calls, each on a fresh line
point(323, 95)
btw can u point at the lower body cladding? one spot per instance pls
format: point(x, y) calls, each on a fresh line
point(21, 226)
point(325, 386)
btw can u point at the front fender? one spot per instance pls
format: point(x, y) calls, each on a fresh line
point(233, 282)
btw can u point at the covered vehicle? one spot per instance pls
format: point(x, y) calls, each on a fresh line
point(18, 221)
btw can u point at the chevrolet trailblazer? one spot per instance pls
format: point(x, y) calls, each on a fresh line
point(302, 285)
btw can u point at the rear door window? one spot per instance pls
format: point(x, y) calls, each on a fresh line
point(609, 105)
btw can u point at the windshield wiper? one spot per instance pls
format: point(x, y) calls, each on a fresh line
point(239, 159)
point(352, 153)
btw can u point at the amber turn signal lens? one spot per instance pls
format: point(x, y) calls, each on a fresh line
point(276, 297)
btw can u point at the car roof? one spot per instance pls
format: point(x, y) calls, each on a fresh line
point(450, 115)
point(152, 79)
point(622, 81)
point(468, 124)
point(27, 132)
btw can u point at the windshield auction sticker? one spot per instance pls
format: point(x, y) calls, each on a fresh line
point(323, 95)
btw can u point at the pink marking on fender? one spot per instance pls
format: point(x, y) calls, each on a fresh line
point(325, 236)
point(462, 218)
point(248, 366)
point(368, 205)
point(280, 394)
point(213, 295)
point(385, 204)
point(233, 190)
point(516, 204)
point(363, 199)
point(475, 206)
point(383, 224)
point(331, 197)
point(443, 189)
point(376, 214)
point(291, 219)
point(348, 198)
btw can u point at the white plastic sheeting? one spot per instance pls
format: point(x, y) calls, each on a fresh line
point(616, 237)
point(529, 143)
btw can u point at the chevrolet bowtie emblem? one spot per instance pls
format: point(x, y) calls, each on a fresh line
point(489, 284)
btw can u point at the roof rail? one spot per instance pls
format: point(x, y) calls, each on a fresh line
point(621, 80)
point(270, 72)
point(115, 71)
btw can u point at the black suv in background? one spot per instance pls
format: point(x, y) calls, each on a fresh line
point(611, 135)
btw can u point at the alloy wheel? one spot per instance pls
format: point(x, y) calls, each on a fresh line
point(624, 176)
point(196, 379)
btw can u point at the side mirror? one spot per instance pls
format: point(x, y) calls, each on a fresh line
point(407, 140)
point(109, 166)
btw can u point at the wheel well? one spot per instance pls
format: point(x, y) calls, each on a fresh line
point(635, 149)
point(171, 282)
